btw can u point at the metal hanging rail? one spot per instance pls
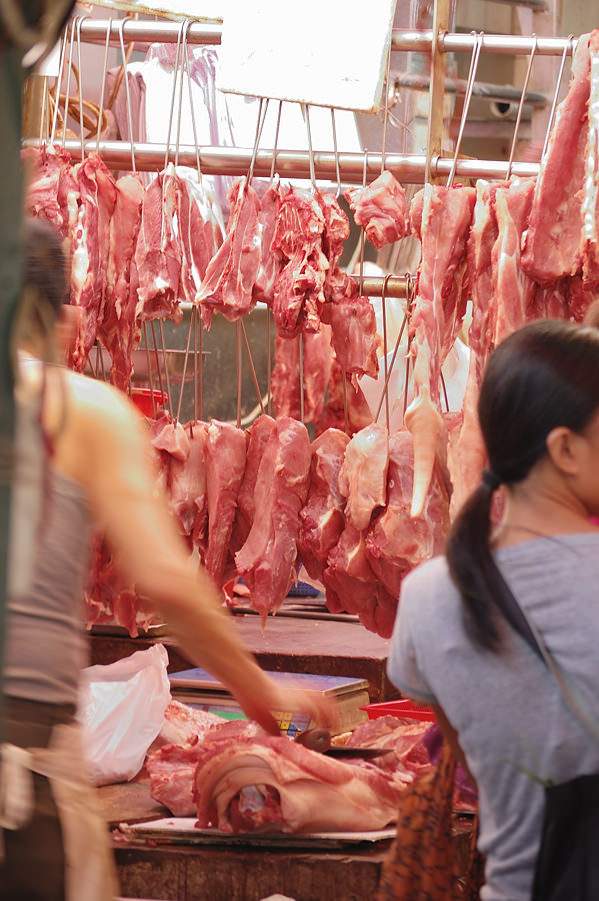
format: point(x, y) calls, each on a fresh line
point(352, 167)
point(165, 32)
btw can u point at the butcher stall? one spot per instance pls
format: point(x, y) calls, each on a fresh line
point(296, 254)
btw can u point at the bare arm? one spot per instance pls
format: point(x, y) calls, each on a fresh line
point(115, 467)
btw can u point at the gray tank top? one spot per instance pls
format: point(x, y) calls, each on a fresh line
point(46, 645)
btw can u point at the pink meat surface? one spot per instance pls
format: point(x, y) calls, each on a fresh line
point(310, 370)
point(553, 241)
point(119, 330)
point(381, 209)
point(352, 587)
point(270, 260)
point(322, 517)
point(158, 251)
point(396, 543)
point(90, 248)
point(225, 466)
point(187, 489)
point(228, 284)
point(353, 331)
point(199, 233)
point(363, 474)
point(274, 784)
point(258, 437)
point(298, 291)
point(436, 318)
point(267, 560)
point(590, 202)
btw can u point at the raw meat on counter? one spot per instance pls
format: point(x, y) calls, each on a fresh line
point(381, 209)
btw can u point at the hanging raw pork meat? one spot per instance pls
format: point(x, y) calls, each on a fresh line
point(346, 407)
point(352, 587)
point(396, 543)
point(553, 241)
point(158, 251)
point(467, 455)
point(199, 233)
point(286, 377)
point(443, 220)
point(246, 781)
point(90, 249)
point(225, 466)
point(270, 260)
point(590, 202)
point(381, 209)
point(257, 437)
point(354, 335)
point(187, 489)
point(108, 598)
point(363, 474)
point(322, 517)
point(513, 291)
point(52, 190)
point(267, 560)
point(336, 233)
point(228, 284)
point(298, 292)
point(118, 329)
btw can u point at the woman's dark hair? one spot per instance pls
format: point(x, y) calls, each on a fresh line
point(44, 265)
point(542, 376)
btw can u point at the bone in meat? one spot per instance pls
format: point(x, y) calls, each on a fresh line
point(552, 242)
point(322, 517)
point(381, 209)
point(267, 560)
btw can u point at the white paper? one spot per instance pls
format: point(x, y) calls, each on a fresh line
point(330, 53)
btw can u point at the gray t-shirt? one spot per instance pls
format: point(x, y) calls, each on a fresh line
point(513, 725)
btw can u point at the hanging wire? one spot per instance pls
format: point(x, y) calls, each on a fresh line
point(68, 84)
point(306, 114)
point(336, 152)
point(469, 88)
point(386, 108)
point(80, 87)
point(188, 23)
point(276, 143)
point(173, 94)
point(362, 232)
point(121, 26)
point(568, 50)
point(521, 105)
point(102, 89)
point(262, 111)
point(61, 64)
point(385, 348)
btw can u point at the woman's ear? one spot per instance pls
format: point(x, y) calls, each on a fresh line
point(562, 448)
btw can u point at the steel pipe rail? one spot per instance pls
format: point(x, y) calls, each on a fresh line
point(197, 32)
point(354, 168)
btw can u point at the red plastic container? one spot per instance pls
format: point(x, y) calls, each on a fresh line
point(142, 398)
point(403, 708)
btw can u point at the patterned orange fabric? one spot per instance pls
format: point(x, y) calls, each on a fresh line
point(422, 864)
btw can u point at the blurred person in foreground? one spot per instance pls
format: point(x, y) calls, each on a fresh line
point(82, 459)
point(453, 644)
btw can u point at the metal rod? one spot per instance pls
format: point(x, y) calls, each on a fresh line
point(165, 32)
point(408, 168)
point(481, 89)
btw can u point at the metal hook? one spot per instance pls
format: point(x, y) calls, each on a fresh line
point(188, 23)
point(63, 56)
point(306, 114)
point(469, 88)
point(276, 143)
point(385, 108)
point(120, 27)
point(259, 126)
point(184, 64)
point(521, 105)
point(104, 71)
point(68, 84)
point(81, 135)
point(568, 48)
point(172, 109)
point(336, 151)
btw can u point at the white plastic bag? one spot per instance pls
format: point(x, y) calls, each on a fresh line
point(121, 711)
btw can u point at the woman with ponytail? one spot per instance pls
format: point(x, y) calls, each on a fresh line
point(457, 643)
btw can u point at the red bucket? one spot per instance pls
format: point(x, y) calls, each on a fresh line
point(142, 398)
point(404, 708)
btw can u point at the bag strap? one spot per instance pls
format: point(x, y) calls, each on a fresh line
point(525, 626)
